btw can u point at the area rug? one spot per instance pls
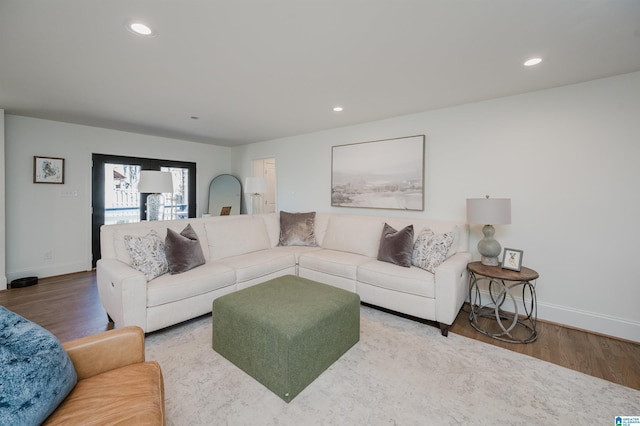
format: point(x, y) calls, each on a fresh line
point(400, 373)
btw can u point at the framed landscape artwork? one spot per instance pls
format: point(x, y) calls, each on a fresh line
point(384, 174)
point(48, 170)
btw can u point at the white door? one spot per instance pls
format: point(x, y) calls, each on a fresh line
point(270, 175)
point(267, 168)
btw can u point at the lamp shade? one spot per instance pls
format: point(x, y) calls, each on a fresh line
point(155, 182)
point(255, 185)
point(489, 211)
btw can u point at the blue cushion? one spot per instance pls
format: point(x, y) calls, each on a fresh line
point(36, 373)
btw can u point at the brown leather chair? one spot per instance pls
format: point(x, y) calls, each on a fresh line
point(115, 384)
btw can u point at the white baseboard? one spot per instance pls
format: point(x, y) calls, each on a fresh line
point(598, 323)
point(50, 270)
point(590, 321)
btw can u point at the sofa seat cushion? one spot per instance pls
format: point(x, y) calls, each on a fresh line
point(393, 277)
point(333, 262)
point(259, 263)
point(203, 279)
point(131, 395)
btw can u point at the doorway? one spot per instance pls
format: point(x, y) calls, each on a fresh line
point(115, 197)
point(266, 167)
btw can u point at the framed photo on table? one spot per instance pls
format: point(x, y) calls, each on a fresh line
point(48, 170)
point(512, 259)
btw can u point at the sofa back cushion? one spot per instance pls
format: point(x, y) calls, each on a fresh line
point(322, 222)
point(356, 234)
point(272, 223)
point(236, 235)
point(112, 244)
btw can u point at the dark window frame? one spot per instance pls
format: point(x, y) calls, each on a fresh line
point(97, 192)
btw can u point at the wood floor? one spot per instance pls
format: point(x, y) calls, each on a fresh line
point(69, 307)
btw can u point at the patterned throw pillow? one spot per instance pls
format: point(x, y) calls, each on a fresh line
point(430, 250)
point(147, 254)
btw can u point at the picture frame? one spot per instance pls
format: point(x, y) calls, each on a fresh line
point(383, 174)
point(48, 170)
point(512, 259)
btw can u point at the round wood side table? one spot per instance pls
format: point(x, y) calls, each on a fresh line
point(502, 284)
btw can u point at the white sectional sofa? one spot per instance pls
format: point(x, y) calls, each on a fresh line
point(241, 251)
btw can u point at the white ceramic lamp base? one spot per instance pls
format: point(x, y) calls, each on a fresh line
point(155, 207)
point(488, 247)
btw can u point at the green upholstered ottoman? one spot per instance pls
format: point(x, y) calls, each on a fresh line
point(285, 332)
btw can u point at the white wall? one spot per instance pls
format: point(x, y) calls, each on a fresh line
point(569, 159)
point(3, 276)
point(38, 219)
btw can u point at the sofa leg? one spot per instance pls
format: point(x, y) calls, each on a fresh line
point(444, 329)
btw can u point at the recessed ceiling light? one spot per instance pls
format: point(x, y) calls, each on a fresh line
point(140, 29)
point(533, 61)
point(338, 109)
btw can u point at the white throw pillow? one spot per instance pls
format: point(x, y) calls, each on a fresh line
point(147, 254)
point(430, 250)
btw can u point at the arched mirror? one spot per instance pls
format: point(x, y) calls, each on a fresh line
point(225, 193)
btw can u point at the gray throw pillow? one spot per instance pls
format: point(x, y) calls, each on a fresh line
point(183, 250)
point(430, 250)
point(396, 246)
point(297, 229)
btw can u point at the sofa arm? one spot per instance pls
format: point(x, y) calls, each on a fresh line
point(123, 292)
point(452, 287)
point(98, 353)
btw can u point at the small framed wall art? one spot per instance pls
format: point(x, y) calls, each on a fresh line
point(48, 170)
point(512, 259)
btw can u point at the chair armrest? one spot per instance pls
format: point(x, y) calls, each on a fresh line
point(452, 287)
point(98, 353)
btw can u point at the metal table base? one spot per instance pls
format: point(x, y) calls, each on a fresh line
point(501, 290)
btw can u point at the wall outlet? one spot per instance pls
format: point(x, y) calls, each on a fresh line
point(68, 193)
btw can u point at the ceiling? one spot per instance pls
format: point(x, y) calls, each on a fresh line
point(255, 70)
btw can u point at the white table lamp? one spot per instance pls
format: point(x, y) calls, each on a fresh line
point(488, 212)
point(256, 186)
point(155, 183)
